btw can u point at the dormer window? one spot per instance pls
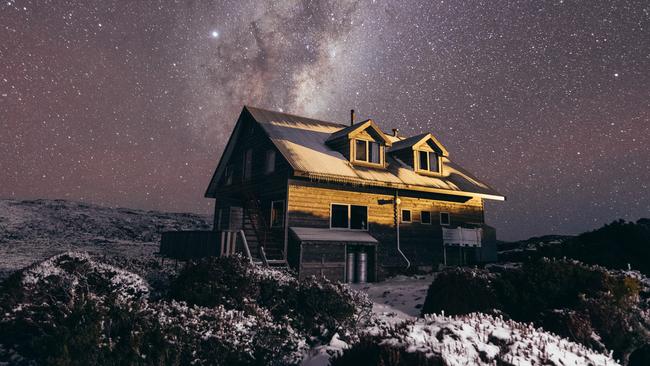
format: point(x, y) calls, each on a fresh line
point(363, 144)
point(429, 161)
point(422, 152)
point(367, 152)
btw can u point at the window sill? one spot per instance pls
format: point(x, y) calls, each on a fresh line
point(429, 173)
point(367, 164)
point(346, 229)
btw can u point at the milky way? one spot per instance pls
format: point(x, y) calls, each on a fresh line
point(130, 103)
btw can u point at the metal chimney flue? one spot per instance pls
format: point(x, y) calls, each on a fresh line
point(351, 117)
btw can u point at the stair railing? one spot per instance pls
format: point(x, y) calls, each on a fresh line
point(257, 219)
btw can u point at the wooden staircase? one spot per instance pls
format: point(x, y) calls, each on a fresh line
point(263, 246)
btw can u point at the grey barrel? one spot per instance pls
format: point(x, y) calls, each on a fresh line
point(349, 269)
point(362, 267)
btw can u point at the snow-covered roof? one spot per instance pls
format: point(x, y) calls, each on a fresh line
point(310, 234)
point(416, 140)
point(302, 142)
point(363, 125)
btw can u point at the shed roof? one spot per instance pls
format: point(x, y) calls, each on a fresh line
point(302, 142)
point(310, 234)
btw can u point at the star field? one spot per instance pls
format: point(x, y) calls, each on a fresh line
point(131, 103)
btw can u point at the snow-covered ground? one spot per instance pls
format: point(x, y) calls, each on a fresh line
point(33, 230)
point(398, 298)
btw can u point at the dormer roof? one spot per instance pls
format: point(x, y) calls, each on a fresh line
point(414, 142)
point(351, 131)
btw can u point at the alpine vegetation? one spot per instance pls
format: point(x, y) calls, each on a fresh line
point(74, 310)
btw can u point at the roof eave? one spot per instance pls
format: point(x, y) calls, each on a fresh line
point(409, 187)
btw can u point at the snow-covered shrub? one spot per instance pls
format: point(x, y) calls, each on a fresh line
point(157, 273)
point(216, 281)
point(451, 289)
point(61, 309)
point(315, 306)
point(217, 336)
point(574, 325)
point(325, 307)
point(474, 339)
point(588, 304)
point(72, 310)
point(67, 277)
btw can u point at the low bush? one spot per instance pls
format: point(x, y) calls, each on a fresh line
point(591, 305)
point(72, 310)
point(474, 339)
point(216, 281)
point(461, 291)
point(315, 306)
point(324, 307)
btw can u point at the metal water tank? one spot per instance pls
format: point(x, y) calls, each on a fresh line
point(349, 270)
point(362, 267)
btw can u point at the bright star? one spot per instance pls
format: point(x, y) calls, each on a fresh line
point(214, 34)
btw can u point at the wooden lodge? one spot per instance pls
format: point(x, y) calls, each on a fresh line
point(347, 202)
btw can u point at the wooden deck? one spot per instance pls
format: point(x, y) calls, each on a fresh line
point(184, 245)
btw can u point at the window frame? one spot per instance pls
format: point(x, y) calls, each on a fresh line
point(422, 221)
point(427, 170)
point(269, 168)
point(228, 175)
point(448, 218)
point(349, 216)
point(401, 216)
point(284, 213)
point(247, 173)
point(367, 146)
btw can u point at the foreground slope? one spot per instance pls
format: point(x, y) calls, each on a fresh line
point(33, 230)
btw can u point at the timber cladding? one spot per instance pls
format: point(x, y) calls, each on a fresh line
point(309, 205)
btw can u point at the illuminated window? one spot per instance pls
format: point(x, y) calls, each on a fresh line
point(277, 214)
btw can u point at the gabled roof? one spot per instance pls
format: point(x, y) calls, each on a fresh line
point(416, 141)
point(302, 142)
point(354, 129)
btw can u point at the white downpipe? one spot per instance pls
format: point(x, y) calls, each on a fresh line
point(398, 219)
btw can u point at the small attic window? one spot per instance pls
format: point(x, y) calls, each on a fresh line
point(429, 161)
point(269, 162)
point(367, 152)
point(228, 174)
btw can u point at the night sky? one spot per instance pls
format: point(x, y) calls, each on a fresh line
point(130, 103)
